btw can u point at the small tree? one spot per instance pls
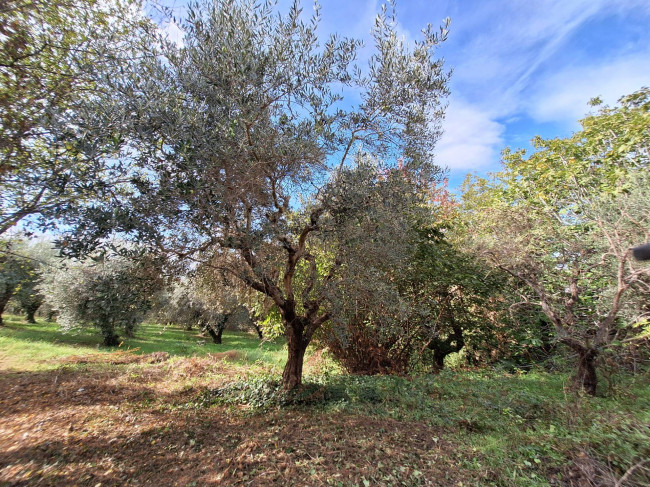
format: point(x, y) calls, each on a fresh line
point(189, 303)
point(111, 294)
point(563, 222)
point(30, 298)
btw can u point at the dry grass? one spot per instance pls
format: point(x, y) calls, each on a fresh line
point(131, 424)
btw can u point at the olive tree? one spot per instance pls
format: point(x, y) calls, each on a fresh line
point(198, 300)
point(111, 294)
point(16, 271)
point(563, 222)
point(227, 130)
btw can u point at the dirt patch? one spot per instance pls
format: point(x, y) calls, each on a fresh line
point(117, 357)
point(135, 424)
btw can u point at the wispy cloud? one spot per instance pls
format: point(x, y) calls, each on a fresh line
point(472, 139)
point(563, 96)
point(511, 60)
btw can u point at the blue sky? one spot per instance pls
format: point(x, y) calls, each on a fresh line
point(520, 67)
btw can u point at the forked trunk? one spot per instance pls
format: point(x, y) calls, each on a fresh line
point(586, 377)
point(215, 334)
point(216, 330)
point(296, 345)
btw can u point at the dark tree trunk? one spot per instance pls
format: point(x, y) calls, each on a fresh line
point(4, 299)
point(258, 329)
point(216, 331)
point(215, 334)
point(30, 315)
point(439, 359)
point(111, 340)
point(586, 377)
point(296, 345)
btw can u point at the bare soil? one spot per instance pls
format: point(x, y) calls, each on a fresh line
point(121, 421)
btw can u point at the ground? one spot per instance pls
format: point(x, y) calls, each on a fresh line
point(112, 417)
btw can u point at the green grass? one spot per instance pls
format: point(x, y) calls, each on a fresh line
point(521, 430)
point(40, 346)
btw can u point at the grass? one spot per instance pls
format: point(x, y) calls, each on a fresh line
point(519, 430)
point(41, 346)
point(482, 428)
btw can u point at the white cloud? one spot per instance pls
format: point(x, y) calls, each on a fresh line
point(173, 32)
point(563, 96)
point(472, 138)
point(502, 45)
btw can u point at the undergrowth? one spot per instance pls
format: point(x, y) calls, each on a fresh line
point(522, 429)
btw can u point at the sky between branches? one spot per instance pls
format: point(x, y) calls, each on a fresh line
point(520, 68)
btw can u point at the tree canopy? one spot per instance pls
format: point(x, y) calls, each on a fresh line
point(225, 132)
point(563, 222)
point(52, 56)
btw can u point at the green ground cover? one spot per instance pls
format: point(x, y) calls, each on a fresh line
point(40, 346)
point(484, 427)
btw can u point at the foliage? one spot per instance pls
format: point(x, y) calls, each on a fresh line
point(110, 293)
point(19, 276)
point(224, 129)
point(522, 430)
point(427, 300)
point(562, 223)
point(52, 54)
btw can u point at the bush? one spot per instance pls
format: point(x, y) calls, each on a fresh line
point(112, 295)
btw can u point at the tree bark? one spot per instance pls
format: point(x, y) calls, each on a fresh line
point(586, 377)
point(215, 334)
point(30, 315)
point(111, 340)
point(4, 299)
point(258, 329)
point(296, 345)
point(439, 359)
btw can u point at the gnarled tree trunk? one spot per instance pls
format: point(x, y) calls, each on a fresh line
point(216, 331)
point(586, 377)
point(296, 345)
point(30, 312)
point(216, 334)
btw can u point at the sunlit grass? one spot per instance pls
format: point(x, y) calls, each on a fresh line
point(40, 346)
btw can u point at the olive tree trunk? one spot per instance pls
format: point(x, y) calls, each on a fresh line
point(30, 312)
point(586, 377)
point(296, 346)
point(4, 299)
